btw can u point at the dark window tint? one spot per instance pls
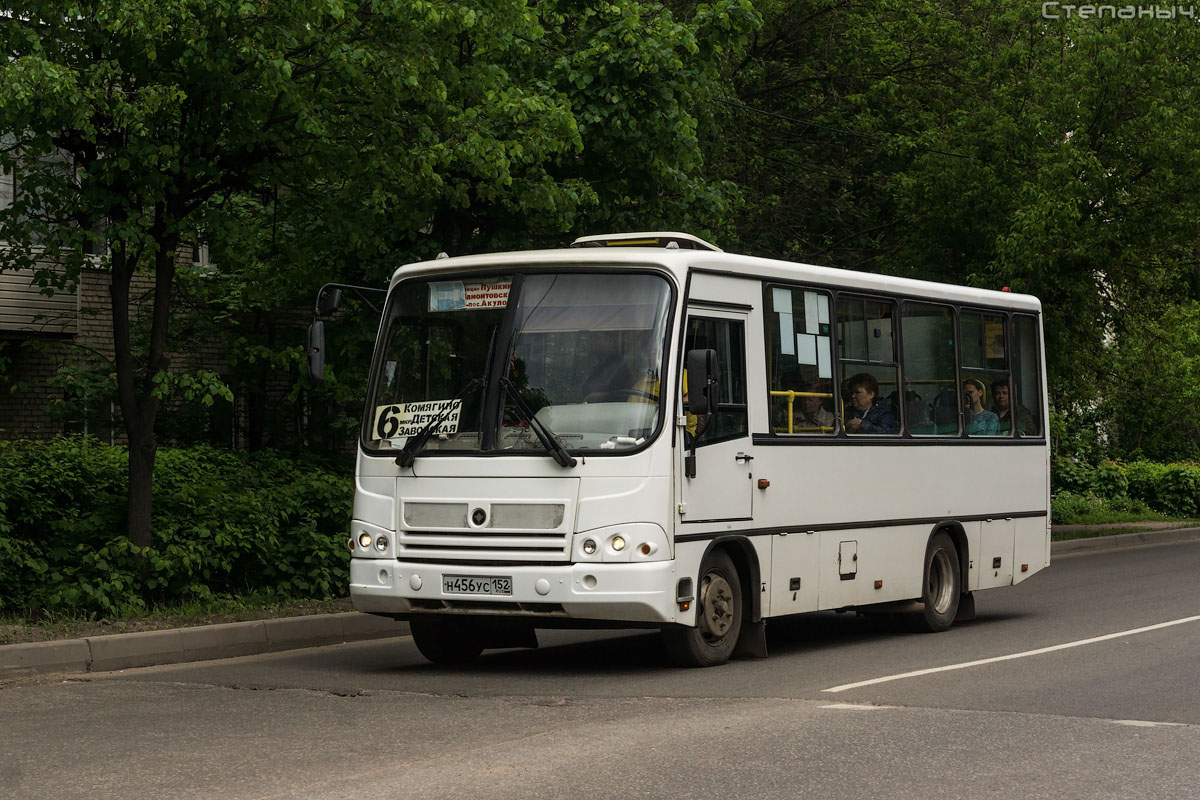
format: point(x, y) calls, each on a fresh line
point(930, 380)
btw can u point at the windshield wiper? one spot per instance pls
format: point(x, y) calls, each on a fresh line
point(544, 434)
point(408, 453)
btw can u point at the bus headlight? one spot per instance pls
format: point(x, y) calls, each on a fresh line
point(364, 539)
point(633, 541)
point(381, 543)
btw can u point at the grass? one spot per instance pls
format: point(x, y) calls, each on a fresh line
point(41, 627)
point(1092, 528)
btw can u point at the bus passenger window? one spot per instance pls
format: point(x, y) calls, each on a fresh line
point(870, 395)
point(1027, 409)
point(799, 361)
point(930, 383)
point(984, 346)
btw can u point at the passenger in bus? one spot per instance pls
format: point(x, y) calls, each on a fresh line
point(980, 421)
point(1001, 401)
point(811, 415)
point(867, 414)
point(611, 374)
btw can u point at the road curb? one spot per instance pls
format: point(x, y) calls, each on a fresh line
point(200, 643)
point(1119, 540)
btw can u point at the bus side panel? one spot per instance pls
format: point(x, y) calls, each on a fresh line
point(1031, 548)
point(795, 574)
point(996, 553)
point(971, 579)
point(854, 562)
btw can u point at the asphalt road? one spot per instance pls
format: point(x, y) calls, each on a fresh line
point(1107, 704)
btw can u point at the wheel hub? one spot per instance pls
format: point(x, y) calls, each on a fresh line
point(716, 606)
point(940, 581)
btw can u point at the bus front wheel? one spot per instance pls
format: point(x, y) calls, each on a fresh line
point(718, 617)
point(447, 640)
point(942, 587)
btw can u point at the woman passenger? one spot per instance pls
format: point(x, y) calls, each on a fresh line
point(980, 421)
point(867, 415)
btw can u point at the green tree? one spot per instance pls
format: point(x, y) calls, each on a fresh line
point(570, 117)
point(312, 141)
point(978, 143)
point(135, 122)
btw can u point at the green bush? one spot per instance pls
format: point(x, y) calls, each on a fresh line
point(1109, 480)
point(1144, 478)
point(1178, 491)
point(1171, 489)
point(1068, 508)
point(1070, 476)
point(224, 524)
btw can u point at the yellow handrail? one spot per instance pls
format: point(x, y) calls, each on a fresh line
point(791, 401)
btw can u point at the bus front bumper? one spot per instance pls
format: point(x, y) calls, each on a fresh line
point(627, 592)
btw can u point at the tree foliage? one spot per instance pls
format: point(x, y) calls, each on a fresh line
point(314, 140)
point(979, 143)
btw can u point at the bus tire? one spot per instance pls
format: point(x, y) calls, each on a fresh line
point(718, 617)
point(447, 640)
point(941, 588)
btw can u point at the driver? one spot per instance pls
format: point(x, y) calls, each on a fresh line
point(611, 374)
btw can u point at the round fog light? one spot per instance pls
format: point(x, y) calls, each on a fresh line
point(589, 546)
point(364, 539)
point(618, 543)
point(381, 543)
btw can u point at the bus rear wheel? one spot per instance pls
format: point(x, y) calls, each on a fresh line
point(447, 640)
point(941, 589)
point(718, 617)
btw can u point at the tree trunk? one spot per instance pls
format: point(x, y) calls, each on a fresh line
point(142, 452)
point(139, 406)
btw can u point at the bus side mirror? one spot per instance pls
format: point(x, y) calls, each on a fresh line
point(328, 301)
point(316, 351)
point(702, 381)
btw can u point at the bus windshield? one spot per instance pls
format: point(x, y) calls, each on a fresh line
point(582, 355)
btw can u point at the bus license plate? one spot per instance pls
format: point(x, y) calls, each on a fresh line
point(476, 584)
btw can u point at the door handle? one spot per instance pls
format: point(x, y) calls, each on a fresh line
point(743, 457)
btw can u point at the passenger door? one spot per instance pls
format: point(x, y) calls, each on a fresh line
point(721, 487)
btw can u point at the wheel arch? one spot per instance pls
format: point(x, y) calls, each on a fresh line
point(745, 558)
point(954, 529)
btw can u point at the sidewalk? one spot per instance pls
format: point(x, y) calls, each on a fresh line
point(227, 640)
point(200, 643)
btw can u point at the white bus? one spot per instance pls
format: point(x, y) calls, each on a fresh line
point(531, 456)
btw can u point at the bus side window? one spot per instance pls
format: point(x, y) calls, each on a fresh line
point(1027, 407)
point(728, 338)
point(799, 361)
point(930, 385)
point(983, 342)
point(867, 352)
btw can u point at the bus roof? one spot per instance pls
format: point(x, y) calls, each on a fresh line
point(679, 261)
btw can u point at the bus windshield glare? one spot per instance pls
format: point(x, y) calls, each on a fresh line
point(583, 353)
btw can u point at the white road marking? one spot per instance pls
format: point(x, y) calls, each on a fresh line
point(854, 707)
point(1011, 656)
point(1145, 723)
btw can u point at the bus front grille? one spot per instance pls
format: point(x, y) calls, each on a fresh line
point(484, 545)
